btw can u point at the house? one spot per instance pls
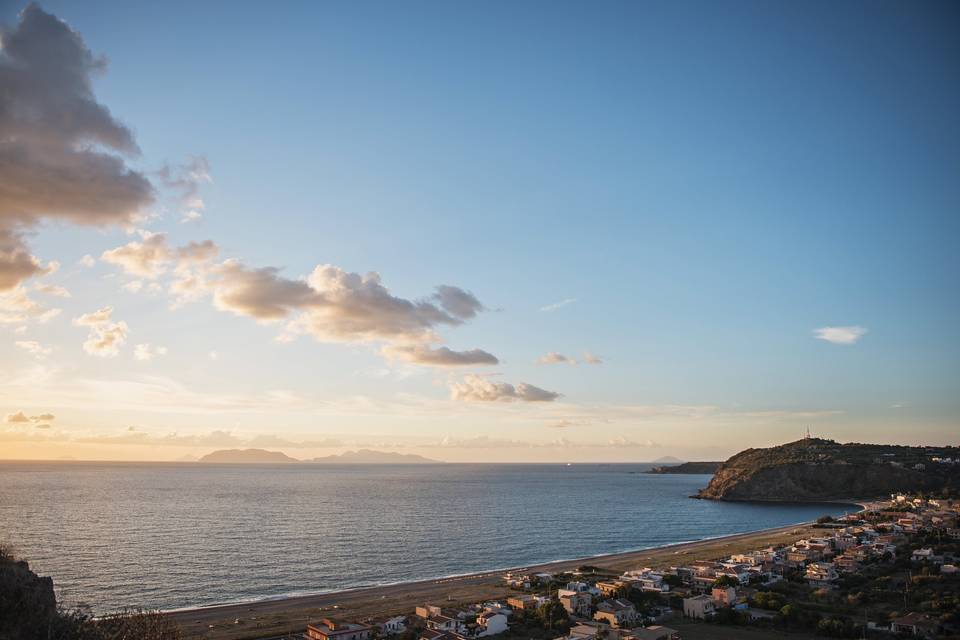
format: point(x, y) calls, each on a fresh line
point(918, 625)
point(847, 563)
point(577, 603)
point(821, 574)
point(440, 619)
point(699, 607)
point(445, 622)
point(611, 589)
point(617, 613)
point(433, 634)
point(328, 629)
point(925, 555)
point(724, 596)
point(754, 614)
point(654, 632)
point(588, 631)
point(428, 610)
point(800, 556)
point(525, 602)
point(490, 624)
point(392, 626)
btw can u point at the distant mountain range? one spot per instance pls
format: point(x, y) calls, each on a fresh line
point(368, 456)
point(667, 460)
point(363, 456)
point(247, 456)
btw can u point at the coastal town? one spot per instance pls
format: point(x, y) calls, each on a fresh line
point(890, 570)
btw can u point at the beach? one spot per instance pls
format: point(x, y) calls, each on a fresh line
point(269, 618)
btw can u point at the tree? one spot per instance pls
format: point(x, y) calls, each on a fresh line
point(726, 581)
point(552, 614)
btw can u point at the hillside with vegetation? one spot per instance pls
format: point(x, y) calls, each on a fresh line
point(815, 469)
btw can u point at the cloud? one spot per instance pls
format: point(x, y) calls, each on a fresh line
point(146, 352)
point(566, 423)
point(558, 305)
point(623, 442)
point(334, 305)
point(21, 418)
point(441, 356)
point(88, 261)
point(186, 181)
point(16, 263)
point(459, 303)
point(488, 442)
point(261, 294)
point(197, 252)
point(105, 337)
point(53, 290)
point(555, 358)
point(216, 438)
point(474, 388)
point(146, 259)
point(840, 335)
point(17, 307)
point(33, 347)
point(61, 151)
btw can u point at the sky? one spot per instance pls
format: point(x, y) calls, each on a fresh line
point(483, 232)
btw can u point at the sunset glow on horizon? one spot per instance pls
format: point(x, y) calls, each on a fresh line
point(567, 239)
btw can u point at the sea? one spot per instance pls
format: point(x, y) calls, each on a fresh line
point(175, 535)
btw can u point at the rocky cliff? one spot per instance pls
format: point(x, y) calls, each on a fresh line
point(815, 469)
point(28, 606)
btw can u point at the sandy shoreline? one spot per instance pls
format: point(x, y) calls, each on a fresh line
point(264, 618)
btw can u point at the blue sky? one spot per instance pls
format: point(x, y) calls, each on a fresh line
point(709, 183)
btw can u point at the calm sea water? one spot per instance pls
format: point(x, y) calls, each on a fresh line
point(116, 535)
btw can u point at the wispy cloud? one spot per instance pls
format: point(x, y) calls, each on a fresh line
point(34, 348)
point(840, 335)
point(474, 388)
point(488, 442)
point(558, 305)
point(145, 352)
point(554, 357)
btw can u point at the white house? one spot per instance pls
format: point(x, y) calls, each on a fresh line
point(393, 626)
point(490, 624)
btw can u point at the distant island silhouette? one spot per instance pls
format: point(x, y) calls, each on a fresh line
point(361, 456)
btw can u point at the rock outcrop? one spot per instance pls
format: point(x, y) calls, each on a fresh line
point(28, 605)
point(815, 469)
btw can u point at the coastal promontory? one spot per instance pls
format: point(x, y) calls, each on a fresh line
point(694, 468)
point(816, 469)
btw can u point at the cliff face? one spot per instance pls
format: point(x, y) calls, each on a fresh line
point(27, 601)
point(815, 469)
